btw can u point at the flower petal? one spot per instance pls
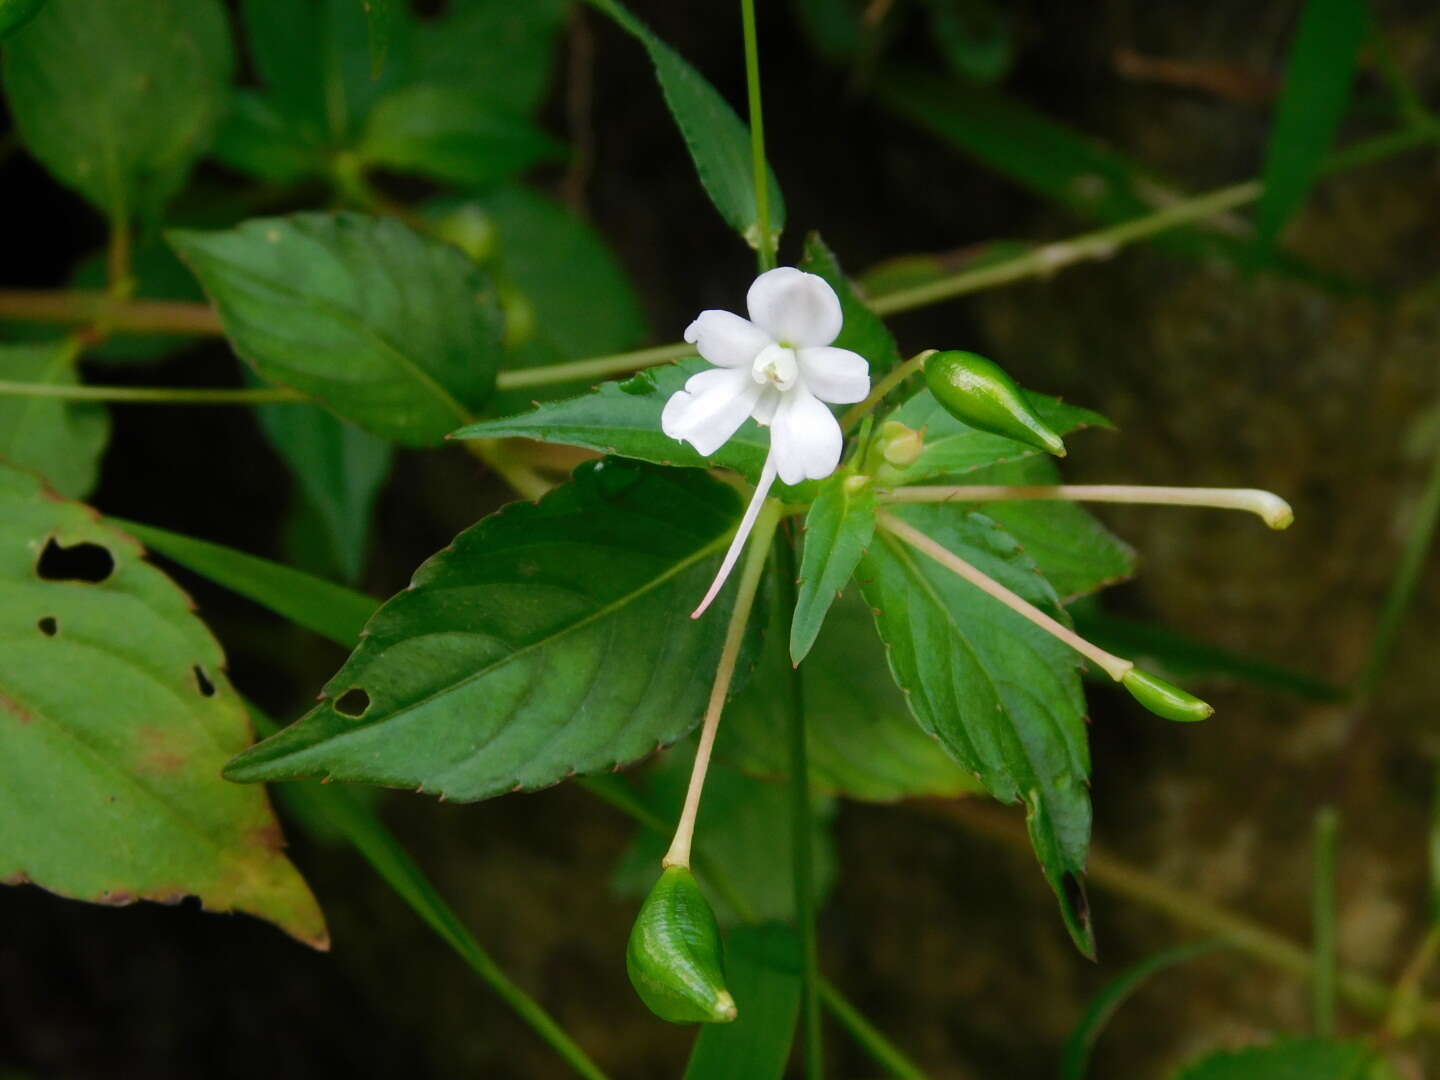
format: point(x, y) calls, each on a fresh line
point(805, 438)
point(764, 408)
point(725, 339)
point(795, 308)
point(838, 376)
point(711, 408)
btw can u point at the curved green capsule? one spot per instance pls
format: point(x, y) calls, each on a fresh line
point(978, 392)
point(1163, 699)
point(674, 956)
point(16, 13)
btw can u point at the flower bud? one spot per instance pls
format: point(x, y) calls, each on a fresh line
point(900, 445)
point(470, 229)
point(978, 392)
point(674, 956)
point(16, 13)
point(1165, 700)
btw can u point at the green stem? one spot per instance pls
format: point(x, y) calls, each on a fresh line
point(596, 367)
point(882, 1050)
point(129, 316)
point(764, 242)
point(1322, 982)
point(801, 818)
point(156, 395)
point(1401, 1021)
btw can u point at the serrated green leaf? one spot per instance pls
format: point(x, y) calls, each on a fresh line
point(862, 740)
point(62, 440)
point(583, 593)
point(863, 331)
point(446, 134)
point(117, 716)
point(392, 330)
point(1076, 553)
point(118, 100)
point(838, 529)
point(718, 140)
point(1317, 90)
point(1002, 695)
point(1292, 1059)
point(338, 470)
point(953, 448)
point(736, 833)
point(762, 970)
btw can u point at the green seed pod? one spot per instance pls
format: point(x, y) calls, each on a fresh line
point(16, 13)
point(674, 955)
point(977, 391)
point(1165, 700)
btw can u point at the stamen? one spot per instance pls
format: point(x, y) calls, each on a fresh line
point(762, 490)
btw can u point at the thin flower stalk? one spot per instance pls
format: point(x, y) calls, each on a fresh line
point(1266, 505)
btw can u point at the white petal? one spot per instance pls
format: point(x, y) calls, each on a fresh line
point(795, 308)
point(762, 489)
point(711, 408)
point(805, 438)
point(838, 376)
point(725, 339)
point(764, 409)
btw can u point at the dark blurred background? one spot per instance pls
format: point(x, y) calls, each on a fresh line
point(949, 940)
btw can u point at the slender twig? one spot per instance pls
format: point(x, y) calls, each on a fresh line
point(157, 395)
point(1322, 981)
point(129, 316)
point(679, 852)
point(1114, 666)
point(764, 241)
point(1272, 509)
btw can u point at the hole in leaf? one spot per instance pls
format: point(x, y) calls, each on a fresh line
point(354, 703)
point(79, 562)
point(203, 681)
point(48, 626)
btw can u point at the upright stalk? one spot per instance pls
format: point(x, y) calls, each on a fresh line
point(1323, 982)
point(764, 240)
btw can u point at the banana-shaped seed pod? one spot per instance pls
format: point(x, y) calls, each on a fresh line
point(1163, 699)
point(977, 391)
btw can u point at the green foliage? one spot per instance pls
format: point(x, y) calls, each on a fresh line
point(763, 968)
point(565, 594)
point(863, 331)
point(1293, 1059)
point(1002, 695)
point(838, 529)
point(16, 13)
point(383, 16)
point(62, 440)
point(392, 330)
point(718, 140)
point(1317, 91)
point(674, 958)
point(119, 99)
point(117, 716)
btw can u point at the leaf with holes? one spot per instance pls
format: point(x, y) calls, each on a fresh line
point(953, 447)
point(863, 331)
point(548, 639)
point(1001, 694)
point(838, 529)
point(392, 330)
point(118, 100)
point(63, 440)
point(116, 718)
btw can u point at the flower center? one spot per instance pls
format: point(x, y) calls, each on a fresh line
point(776, 366)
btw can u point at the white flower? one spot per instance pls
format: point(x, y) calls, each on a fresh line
point(779, 367)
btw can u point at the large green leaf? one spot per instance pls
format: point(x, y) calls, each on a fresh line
point(117, 717)
point(742, 833)
point(861, 738)
point(838, 529)
point(547, 640)
point(1001, 694)
point(338, 470)
point(762, 972)
point(718, 140)
point(119, 99)
point(394, 331)
point(496, 51)
point(1292, 1059)
point(1076, 553)
point(61, 439)
point(863, 331)
point(1317, 90)
point(953, 447)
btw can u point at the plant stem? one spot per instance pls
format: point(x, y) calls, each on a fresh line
point(157, 395)
point(1272, 509)
point(1400, 1023)
point(117, 258)
point(596, 367)
point(801, 823)
point(522, 479)
point(764, 242)
point(1112, 665)
point(130, 316)
point(882, 1050)
point(679, 852)
point(1322, 983)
